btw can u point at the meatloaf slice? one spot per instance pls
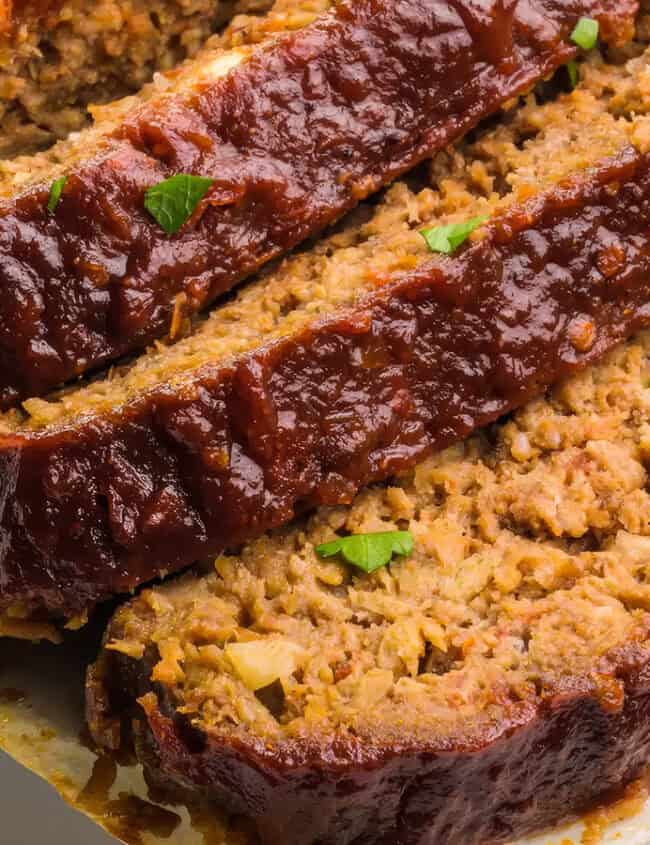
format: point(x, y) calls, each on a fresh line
point(288, 136)
point(57, 56)
point(491, 683)
point(331, 372)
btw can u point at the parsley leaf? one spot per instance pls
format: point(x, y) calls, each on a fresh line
point(56, 190)
point(173, 201)
point(448, 238)
point(574, 73)
point(585, 34)
point(369, 551)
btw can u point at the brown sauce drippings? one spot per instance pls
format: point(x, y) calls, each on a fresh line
point(626, 806)
point(127, 816)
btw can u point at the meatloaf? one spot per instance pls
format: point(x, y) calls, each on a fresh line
point(57, 56)
point(494, 681)
point(282, 139)
point(348, 363)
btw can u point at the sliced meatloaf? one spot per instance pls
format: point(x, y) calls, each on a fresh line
point(57, 56)
point(348, 363)
point(282, 139)
point(489, 684)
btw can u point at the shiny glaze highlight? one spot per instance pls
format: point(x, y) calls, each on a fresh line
point(293, 138)
point(99, 506)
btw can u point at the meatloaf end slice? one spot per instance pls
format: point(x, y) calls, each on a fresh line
point(290, 135)
point(332, 372)
point(59, 56)
point(491, 683)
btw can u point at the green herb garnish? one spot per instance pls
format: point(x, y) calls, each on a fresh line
point(173, 201)
point(574, 73)
point(55, 193)
point(585, 34)
point(448, 238)
point(369, 551)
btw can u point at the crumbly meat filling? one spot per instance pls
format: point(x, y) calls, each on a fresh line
point(96, 57)
point(58, 70)
point(531, 564)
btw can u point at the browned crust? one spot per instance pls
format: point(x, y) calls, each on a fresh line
point(545, 762)
point(99, 278)
point(100, 506)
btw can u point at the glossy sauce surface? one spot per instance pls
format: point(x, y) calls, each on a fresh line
point(100, 506)
point(293, 138)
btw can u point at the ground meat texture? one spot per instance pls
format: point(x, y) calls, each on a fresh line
point(495, 679)
point(114, 482)
point(59, 56)
point(293, 134)
point(345, 364)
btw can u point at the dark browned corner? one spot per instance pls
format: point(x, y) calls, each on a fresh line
point(292, 138)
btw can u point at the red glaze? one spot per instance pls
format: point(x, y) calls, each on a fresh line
point(294, 138)
point(100, 506)
point(545, 761)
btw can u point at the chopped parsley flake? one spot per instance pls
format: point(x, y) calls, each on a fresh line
point(585, 34)
point(173, 201)
point(448, 238)
point(574, 73)
point(369, 551)
point(55, 193)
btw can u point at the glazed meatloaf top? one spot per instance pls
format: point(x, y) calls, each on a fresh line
point(57, 56)
point(294, 395)
point(486, 684)
point(100, 254)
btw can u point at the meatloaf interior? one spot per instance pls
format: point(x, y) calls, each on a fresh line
point(59, 56)
point(528, 580)
point(530, 561)
point(534, 146)
point(286, 398)
point(218, 54)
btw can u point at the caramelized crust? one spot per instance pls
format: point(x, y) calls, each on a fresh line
point(294, 136)
point(492, 682)
point(98, 506)
point(539, 766)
